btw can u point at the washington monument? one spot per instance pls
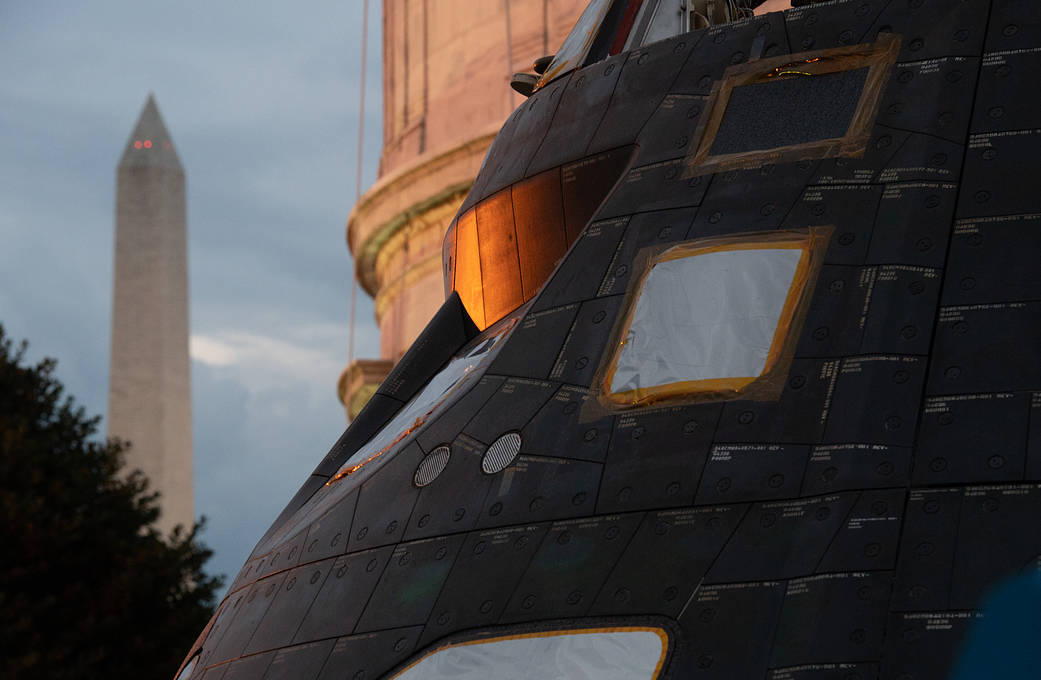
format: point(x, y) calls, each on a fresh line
point(149, 402)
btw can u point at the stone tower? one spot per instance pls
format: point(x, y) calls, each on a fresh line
point(149, 401)
point(447, 67)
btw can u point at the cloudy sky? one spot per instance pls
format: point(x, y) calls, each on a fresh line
point(261, 99)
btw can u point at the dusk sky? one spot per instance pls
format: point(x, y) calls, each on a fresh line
point(261, 100)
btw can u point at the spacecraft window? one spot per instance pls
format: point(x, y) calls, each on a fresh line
point(188, 668)
point(458, 373)
point(573, 52)
point(710, 318)
point(819, 104)
point(606, 654)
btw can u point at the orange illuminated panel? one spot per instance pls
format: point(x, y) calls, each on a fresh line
point(538, 210)
point(468, 268)
point(500, 269)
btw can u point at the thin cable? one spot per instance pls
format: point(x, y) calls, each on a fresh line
point(357, 170)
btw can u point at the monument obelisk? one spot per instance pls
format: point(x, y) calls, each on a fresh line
point(149, 402)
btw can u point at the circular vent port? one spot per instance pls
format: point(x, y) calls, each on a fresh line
point(501, 453)
point(431, 466)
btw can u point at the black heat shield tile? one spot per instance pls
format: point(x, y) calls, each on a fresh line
point(972, 438)
point(249, 668)
point(999, 522)
point(845, 24)
point(511, 153)
point(923, 158)
point(876, 400)
point(1013, 25)
point(410, 584)
point(796, 418)
point(665, 561)
point(658, 228)
point(669, 132)
point(841, 467)
point(444, 335)
point(377, 522)
point(924, 644)
point(580, 353)
point(723, 46)
point(880, 149)
point(509, 409)
point(582, 106)
point(293, 599)
point(753, 200)
point(328, 535)
point(782, 539)
point(285, 555)
point(452, 502)
point(923, 572)
point(994, 260)
point(912, 224)
point(869, 537)
point(302, 661)
point(215, 673)
point(344, 594)
point(562, 430)
point(656, 458)
point(310, 485)
point(833, 325)
point(448, 425)
point(826, 671)
point(567, 572)
point(970, 357)
point(752, 472)
point(722, 622)
point(994, 182)
point(933, 97)
point(579, 275)
point(932, 28)
point(370, 655)
point(1034, 440)
point(485, 573)
point(645, 79)
point(538, 488)
point(586, 184)
point(901, 311)
point(849, 208)
point(832, 617)
point(246, 619)
point(533, 347)
point(656, 186)
point(1000, 105)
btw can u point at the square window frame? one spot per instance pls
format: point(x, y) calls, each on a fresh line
point(878, 57)
point(813, 241)
point(665, 630)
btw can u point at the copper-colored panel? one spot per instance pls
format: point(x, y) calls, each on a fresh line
point(538, 210)
point(448, 259)
point(468, 267)
point(500, 268)
point(586, 184)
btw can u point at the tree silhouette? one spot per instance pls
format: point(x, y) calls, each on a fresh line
point(88, 589)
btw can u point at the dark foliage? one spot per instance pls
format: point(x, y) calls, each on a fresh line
point(87, 588)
